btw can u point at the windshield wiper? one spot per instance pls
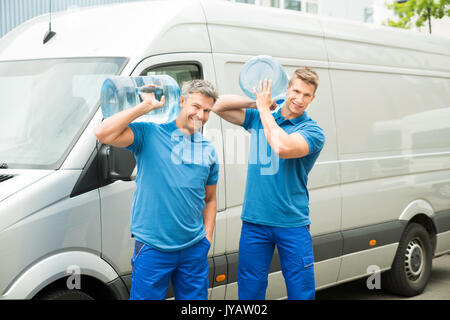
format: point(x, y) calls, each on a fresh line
point(3, 166)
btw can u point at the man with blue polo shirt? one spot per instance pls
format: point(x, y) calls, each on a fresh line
point(276, 202)
point(174, 205)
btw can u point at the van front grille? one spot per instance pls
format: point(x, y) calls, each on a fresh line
point(4, 177)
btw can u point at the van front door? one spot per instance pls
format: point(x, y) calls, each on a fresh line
point(117, 244)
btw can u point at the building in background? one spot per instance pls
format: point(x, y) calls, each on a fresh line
point(14, 12)
point(310, 6)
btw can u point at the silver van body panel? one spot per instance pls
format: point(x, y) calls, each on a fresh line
point(443, 243)
point(52, 268)
point(42, 220)
point(20, 180)
point(416, 207)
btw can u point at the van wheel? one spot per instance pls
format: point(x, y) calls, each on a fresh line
point(65, 294)
point(411, 268)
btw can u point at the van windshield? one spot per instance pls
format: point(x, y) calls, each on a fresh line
point(45, 105)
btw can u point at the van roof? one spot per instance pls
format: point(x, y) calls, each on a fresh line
point(141, 29)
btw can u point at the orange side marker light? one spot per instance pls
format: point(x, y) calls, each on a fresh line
point(220, 277)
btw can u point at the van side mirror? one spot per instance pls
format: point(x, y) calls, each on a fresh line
point(116, 163)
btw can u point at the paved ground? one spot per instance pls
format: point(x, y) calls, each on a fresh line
point(438, 287)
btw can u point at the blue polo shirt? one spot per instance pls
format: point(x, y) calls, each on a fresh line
point(276, 193)
point(172, 171)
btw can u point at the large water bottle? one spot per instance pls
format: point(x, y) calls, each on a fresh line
point(264, 67)
point(122, 92)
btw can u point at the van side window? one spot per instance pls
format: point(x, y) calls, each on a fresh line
point(180, 72)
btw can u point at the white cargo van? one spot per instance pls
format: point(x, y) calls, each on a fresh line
point(379, 193)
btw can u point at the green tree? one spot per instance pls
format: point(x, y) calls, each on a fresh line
point(418, 12)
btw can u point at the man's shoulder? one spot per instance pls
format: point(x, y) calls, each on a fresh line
point(142, 125)
point(310, 124)
point(166, 128)
point(252, 119)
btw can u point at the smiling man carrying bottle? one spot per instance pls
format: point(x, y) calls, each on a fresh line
point(276, 202)
point(174, 205)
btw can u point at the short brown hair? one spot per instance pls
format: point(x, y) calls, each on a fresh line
point(306, 74)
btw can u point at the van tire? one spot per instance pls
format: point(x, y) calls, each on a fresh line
point(412, 264)
point(66, 294)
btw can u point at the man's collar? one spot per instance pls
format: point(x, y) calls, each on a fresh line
point(277, 115)
point(197, 136)
point(172, 126)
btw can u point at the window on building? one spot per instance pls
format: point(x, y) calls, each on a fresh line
point(293, 5)
point(312, 7)
point(246, 1)
point(275, 3)
point(270, 3)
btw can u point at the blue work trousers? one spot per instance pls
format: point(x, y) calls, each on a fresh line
point(153, 269)
point(256, 249)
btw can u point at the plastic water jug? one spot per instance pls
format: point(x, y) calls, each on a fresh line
point(264, 67)
point(122, 92)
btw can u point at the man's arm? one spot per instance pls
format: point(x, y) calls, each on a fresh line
point(209, 213)
point(115, 131)
point(232, 108)
point(285, 145)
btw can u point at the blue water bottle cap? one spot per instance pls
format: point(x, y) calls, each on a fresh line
point(264, 67)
